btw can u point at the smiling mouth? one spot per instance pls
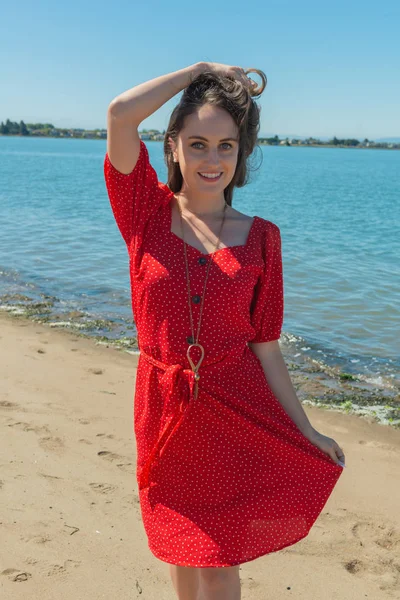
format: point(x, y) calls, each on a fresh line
point(205, 178)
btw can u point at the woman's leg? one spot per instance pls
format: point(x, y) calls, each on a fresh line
point(186, 582)
point(222, 583)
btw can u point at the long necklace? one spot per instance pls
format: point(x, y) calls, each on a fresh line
point(195, 340)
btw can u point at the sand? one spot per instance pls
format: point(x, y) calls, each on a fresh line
point(70, 518)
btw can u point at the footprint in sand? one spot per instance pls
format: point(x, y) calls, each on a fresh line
point(248, 583)
point(16, 574)
point(380, 534)
point(47, 442)
point(39, 429)
point(379, 544)
point(93, 419)
point(103, 488)
point(379, 445)
point(354, 566)
point(369, 547)
point(47, 476)
point(62, 569)
point(54, 444)
point(131, 499)
point(96, 371)
point(36, 538)
point(118, 459)
point(110, 436)
point(385, 573)
point(9, 405)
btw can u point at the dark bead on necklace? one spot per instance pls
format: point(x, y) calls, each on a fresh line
point(202, 260)
point(196, 299)
point(190, 340)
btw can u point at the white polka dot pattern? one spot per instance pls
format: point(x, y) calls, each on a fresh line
point(267, 305)
point(227, 477)
point(133, 197)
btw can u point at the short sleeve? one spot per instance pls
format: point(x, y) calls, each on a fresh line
point(133, 196)
point(267, 303)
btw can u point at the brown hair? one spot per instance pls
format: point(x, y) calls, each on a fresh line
point(232, 95)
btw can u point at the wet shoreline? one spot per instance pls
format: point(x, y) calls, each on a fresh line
point(317, 383)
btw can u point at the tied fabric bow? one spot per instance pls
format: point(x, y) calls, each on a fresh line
point(178, 386)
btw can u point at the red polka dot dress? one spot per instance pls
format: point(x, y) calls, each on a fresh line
point(225, 477)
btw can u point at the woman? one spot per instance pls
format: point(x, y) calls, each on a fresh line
point(228, 466)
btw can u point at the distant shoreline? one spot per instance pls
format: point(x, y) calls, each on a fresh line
point(327, 146)
point(261, 143)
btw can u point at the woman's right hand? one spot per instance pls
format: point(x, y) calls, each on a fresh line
point(232, 72)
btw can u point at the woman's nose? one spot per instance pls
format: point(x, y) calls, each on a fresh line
point(213, 156)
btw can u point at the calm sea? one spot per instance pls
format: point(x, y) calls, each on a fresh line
point(337, 209)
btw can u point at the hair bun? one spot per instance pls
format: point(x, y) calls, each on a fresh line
point(259, 89)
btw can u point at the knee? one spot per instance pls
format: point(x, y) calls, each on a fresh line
point(216, 577)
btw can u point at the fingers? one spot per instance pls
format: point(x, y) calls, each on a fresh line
point(240, 74)
point(339, 457)
point(335, 452)
point(235, 72)
point(329, 446)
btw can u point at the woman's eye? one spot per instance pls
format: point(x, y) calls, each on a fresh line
point(224, 144)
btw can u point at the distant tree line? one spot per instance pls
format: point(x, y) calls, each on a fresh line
point(274, 141)
point(311, 141)
point(47, 129)
point(13, 128)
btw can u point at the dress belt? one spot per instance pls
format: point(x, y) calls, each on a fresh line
point(177, 386)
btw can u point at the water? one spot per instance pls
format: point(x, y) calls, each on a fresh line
point(337, 209)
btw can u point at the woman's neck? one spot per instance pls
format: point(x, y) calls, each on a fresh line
point(200, 207)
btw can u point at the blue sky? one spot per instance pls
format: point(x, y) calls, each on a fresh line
point(333, 69)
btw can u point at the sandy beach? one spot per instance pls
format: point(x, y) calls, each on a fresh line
point(70, 519)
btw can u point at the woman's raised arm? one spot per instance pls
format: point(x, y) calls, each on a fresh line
point(129, 109)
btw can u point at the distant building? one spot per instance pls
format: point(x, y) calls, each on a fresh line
point(152, 134)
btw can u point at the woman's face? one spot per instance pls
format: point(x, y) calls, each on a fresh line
point(208, 144)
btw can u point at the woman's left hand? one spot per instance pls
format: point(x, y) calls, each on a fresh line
point(327, 445)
